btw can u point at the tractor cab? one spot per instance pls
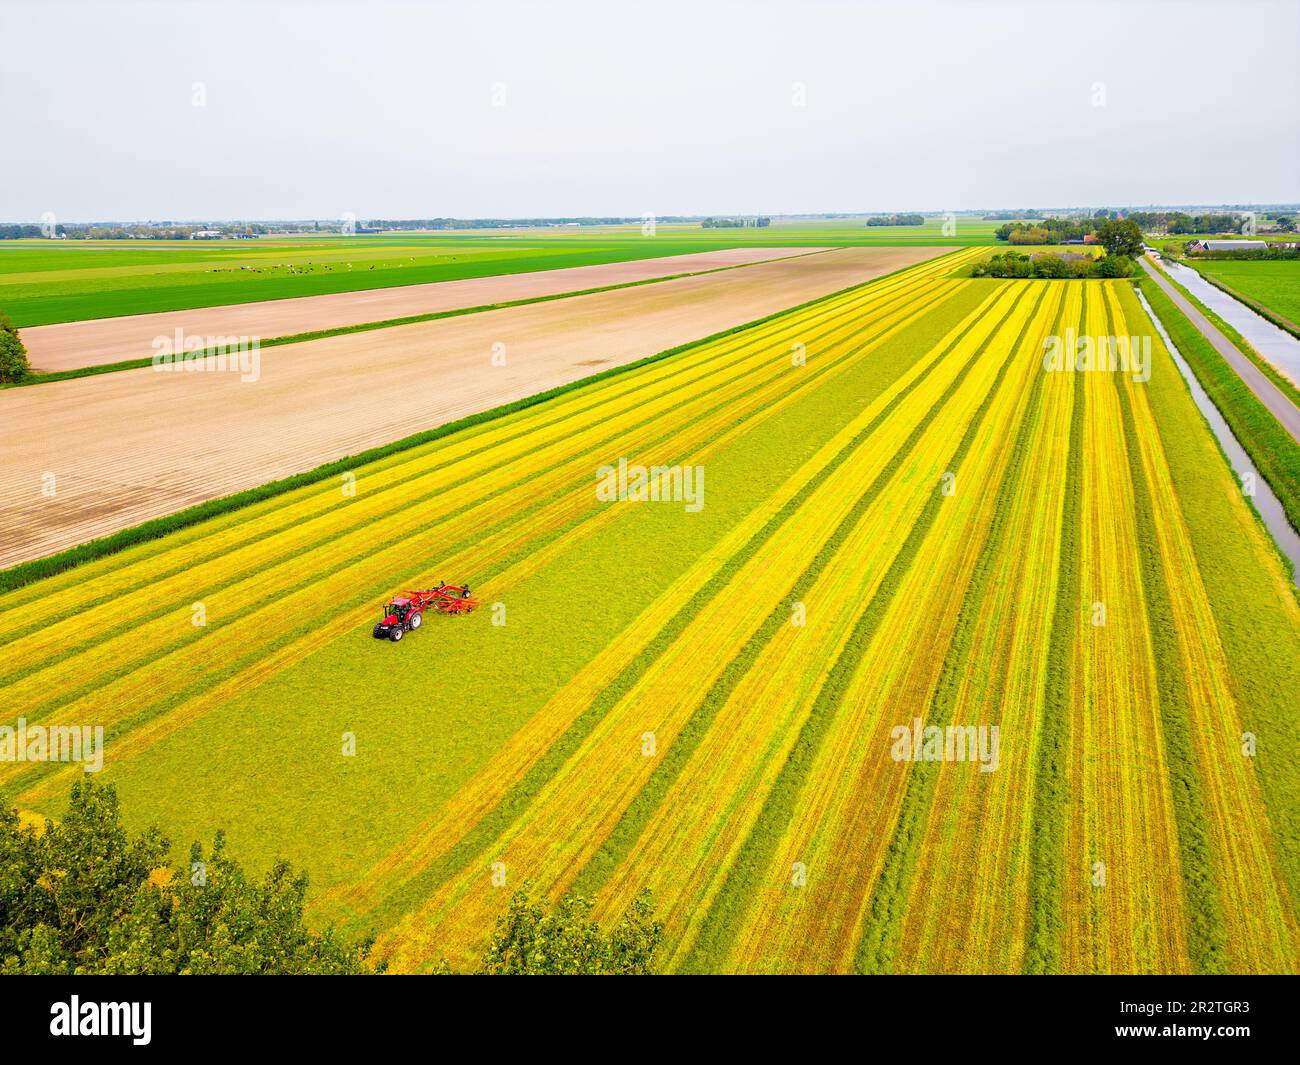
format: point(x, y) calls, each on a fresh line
point(399, 617)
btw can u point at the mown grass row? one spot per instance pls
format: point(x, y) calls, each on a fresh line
point(722, 923)
point(1273, 450)
point(1255, 608)
point(1205, 931)
point(27, 572)
point(879, 940)
point(518, 798)
point(618, 844)
point(1051, 777)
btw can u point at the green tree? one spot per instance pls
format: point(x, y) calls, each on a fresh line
point(13, 355)
point(1114, 266)
point(1050, 266)
point(83, 897)
point(530, 941)
point(1121, 237)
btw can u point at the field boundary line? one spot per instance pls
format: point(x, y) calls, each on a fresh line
point(41, 378)
point(600, 393)
point(726, 389)
point(26, 572)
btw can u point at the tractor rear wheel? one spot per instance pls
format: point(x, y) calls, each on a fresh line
point(395, 633)
point(416, 621)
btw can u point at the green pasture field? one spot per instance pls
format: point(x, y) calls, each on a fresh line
point(43, 282)
point(1273, 282)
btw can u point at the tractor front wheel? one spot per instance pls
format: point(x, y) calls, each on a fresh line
point(416, 621)
point(395, 633)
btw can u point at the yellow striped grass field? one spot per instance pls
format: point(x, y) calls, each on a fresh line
point(907, 520)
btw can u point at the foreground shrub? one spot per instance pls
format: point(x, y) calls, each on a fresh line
point(82, 897)
point(13, 354)
point(530, 941)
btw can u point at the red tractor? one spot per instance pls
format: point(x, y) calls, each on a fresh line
point(405, 613)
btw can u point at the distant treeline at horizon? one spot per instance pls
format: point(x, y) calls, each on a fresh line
point(1175, 219)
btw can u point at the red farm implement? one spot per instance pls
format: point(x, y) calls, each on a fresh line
point(405, 613)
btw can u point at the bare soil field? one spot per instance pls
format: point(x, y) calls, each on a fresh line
point(89, 456)
point(100, 341)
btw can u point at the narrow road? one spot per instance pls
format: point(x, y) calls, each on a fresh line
point(1268, 393)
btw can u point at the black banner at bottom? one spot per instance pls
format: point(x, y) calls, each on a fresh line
point(776, 1013)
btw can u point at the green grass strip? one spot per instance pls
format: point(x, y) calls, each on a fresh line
point(1052, 779)
point(1206, 936)
point(26, 572)
point(879, 942)
point(1273, 450)
point(722, 923)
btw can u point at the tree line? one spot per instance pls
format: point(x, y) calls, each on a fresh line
point(897, 220)
point(1050, 265)
point(1175, 222)
point(1121, 239)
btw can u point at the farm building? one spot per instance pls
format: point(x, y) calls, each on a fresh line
point(1223, 245)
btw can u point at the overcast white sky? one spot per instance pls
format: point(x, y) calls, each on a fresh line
point(405, 109)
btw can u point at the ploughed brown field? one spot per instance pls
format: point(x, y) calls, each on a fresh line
point(98, 342)
point(89, 456)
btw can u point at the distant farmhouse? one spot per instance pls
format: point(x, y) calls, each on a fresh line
point(735, 223)
point(1224, 245)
